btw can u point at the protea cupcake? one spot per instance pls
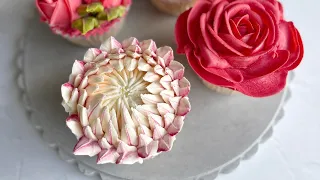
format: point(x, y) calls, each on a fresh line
point(173, 7)
point(126, 101)
point(237, 45)
point(84, 22)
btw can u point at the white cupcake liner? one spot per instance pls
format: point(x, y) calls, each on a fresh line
point(173, 8)
point(95, 40)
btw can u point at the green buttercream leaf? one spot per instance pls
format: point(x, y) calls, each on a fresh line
point(116, 12)
point(86, 24)
point(82, 10)
point(95, 8)
point(103, 16)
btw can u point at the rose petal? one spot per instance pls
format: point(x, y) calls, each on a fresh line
point(87, 147)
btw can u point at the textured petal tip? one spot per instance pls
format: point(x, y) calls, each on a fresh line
point(87, 147)
point(111, 44)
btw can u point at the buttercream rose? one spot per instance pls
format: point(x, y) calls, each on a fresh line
point(58, 12)
point(244, 45)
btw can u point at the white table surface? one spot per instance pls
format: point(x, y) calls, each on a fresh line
point(292, 153)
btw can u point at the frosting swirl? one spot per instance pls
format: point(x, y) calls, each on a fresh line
point(126, 101)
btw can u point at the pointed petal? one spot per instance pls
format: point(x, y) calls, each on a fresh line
point(143, 65)
point(166, 95)
point(175, 70)
point(83, 97)
point(112, 136)
point(91, 71)
point(155, 88)
point(103, 142)
point(114, 120)
point(151, 77)
point(110, 44)
point(156, 119)
point(89, 133)
point(149, 150)
point(105, 69)
point(147, 109)
point(176, 126)
point(184, 107)
point(127, 120)
point(165, 81)
point(105, 118)
point(96, 127)
point(66, 90)
point(148, 47)
point(165, 56)
point(83, 115)
point(139, 117)
point(166, 143)
point(117, 64)
point(151, 99)
point(93, 79)
point(129, 135)
point(73, 123)
point(164, 108)
point(130, 41)
point(159, 70)
point(84, 83)
point(129, 158)
point(174, 102)
point(184, 86)
point(91, 54)
point(158, 132)
point(144, 140)
point(87, 147)
point(108, 156)
point(77, 80)
point(130, 63)
point(168, 119)
point(144, 130)
point(77, 68)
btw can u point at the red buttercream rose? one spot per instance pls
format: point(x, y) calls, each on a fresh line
point(245, 45)
point(58, 12)
point(111, 3)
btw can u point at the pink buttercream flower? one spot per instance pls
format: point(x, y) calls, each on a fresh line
point(111, 3)
point(127, 101)
point(58, 12)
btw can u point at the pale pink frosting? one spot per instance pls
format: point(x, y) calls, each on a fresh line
point(127, 101)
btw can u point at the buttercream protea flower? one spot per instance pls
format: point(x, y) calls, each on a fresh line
point(126, 101)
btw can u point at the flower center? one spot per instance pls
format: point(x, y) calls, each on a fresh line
point(123, 87)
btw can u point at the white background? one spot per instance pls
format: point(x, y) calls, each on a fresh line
point(293, 152)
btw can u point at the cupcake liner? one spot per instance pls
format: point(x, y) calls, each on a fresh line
point(219, 89)
point(97, 39)
point(173, 8)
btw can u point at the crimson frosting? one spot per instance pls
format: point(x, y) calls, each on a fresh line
point(244, 45)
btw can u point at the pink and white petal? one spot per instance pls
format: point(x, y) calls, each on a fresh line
point(144, 130)
point(143, 65)
point(130, 64)
point(174, 102)
point(86, 147)
point(166, 95)
point(74, 100)
point(92, 71)
point(175, 70)
point(147, 109)
point(150, 60)
point(185, 87)
point(144, 140)
point(165, 56)
point(83, 115)
point(176, 126)
point(148, 150)
point(166, 143)
point(110, 45)
point(77, 68)
point(73, 123)
point(151, 98)
point(105, 118)
point(96, 127)
point(165, 81)
point(175, 87)
point(130, 41)
point(117, 64)
point(104, 144)
point(158, 132)
point(105, 69)
point(126, 117)
point(92, 88)
point(84, 83)
point(129, 158)
point(112, 135)
point(168, 119)
point(93, 79)
point(91, 54)
point(155, 119)
point(155, 88)
point(129, 135)
point(66, 90)
point(89, 133)
point(159, 70)
point(78, 80)
point(184, 107)
point(151, 77)
point(164, 108)
point(114, 120)
point(108, 156)
point(83, 97)
point(125, 148)
point(148, 47)
point(139, 117)
point(102, 56)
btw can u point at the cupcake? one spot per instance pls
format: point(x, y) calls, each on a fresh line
point(84, 22)
point(126, 101)
point(173, 7)
point(243, 46)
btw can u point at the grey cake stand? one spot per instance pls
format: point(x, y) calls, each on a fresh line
point(219, 132)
